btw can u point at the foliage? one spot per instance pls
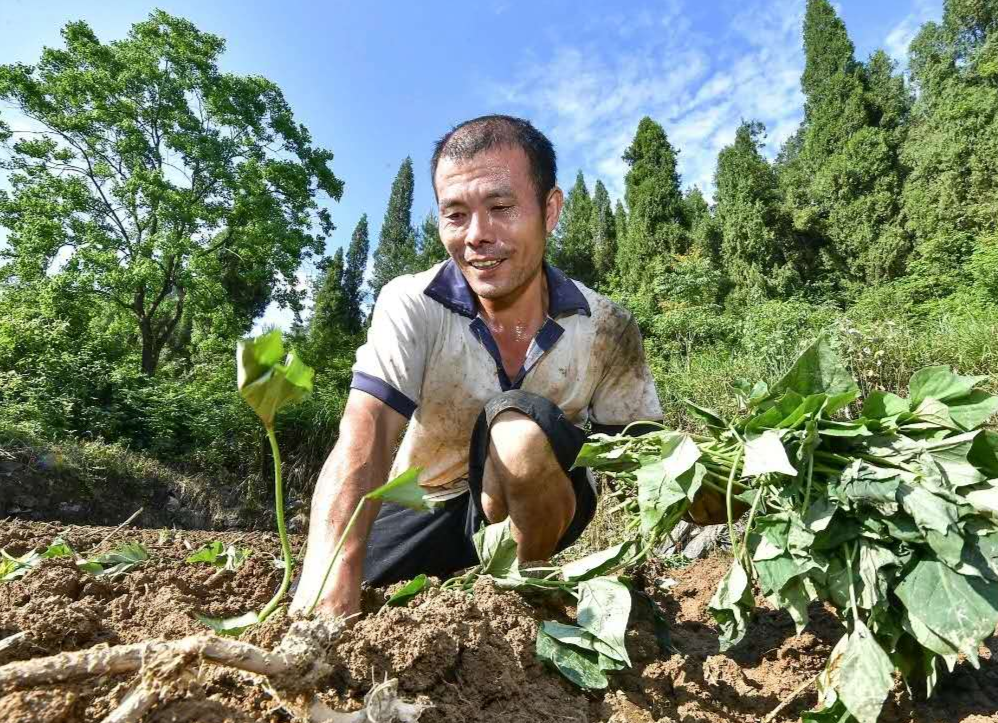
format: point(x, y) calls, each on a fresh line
point(123, 559)
point(572, 249)
point(218, 554)
point(267, 384)
point(396, 253)
point(155, 177)
point(889, 517)
point(353, 275)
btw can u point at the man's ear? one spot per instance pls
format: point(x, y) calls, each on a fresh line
point(552, 210)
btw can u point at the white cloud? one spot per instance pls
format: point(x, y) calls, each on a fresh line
point(699, 88)
point(899, 38)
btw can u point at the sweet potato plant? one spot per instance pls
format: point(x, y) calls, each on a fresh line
point(888, 514)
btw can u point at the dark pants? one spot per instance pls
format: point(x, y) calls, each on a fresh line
point(405, 543)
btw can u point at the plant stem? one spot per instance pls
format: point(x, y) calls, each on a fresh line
point(728, 505)
point(852, 586)
point(654, 424)
point(748, 526)
point(807, 488)
point(282, 530)
point(336, 553)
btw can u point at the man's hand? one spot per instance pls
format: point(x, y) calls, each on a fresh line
point(709, 508)
point(358, 464)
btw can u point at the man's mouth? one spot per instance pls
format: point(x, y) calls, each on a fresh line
point(485, 264)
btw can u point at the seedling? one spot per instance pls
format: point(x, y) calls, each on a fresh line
point(268, 380)
point(217, 553)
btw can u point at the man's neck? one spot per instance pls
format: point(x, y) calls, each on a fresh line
point(527, 307)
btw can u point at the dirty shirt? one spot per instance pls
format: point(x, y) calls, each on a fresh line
point(430, 356)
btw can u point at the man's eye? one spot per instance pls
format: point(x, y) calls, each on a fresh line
point(455, 217)
point(501, 208)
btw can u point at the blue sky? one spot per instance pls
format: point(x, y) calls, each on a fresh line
point(377, 81)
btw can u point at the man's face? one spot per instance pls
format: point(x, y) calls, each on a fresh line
point(491, 222)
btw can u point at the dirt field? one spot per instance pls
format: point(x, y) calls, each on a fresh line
point(472, 657)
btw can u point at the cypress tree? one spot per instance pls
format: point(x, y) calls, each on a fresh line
point(571, 249)
point(655, 223)
point(604, 234)
point(328, 324)
point(753, 231)
point(353, 276)
point(396, 252)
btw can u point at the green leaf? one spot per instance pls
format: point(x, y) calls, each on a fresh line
point(403, 490)
point(604, 608)
point(731, 606)
point(765, 454)
point(951, 455)
point(597, 563)
point(496, 549)
point(873, 561)
point(939, 382)
point(794, 599)
point(930, 511)
point(881, 405)
point(230, 626)
point(663, 481)
point(962, 611)
point(228, 557)
point(263, 382)
point(975, 409)
point(835, 714)
point(865, 675)
point(580, 667)
point(122, 559)
point(58, 548)
point(709, 417)
point(820, 370)
point(408, 591)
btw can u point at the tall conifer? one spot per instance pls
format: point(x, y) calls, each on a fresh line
point(353, 275)
point(396, 252)
point(604, 234)
point(571, 248)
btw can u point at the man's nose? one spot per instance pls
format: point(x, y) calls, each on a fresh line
point(479, 230)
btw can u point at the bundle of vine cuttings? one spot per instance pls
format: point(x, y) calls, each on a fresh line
point(884, 509)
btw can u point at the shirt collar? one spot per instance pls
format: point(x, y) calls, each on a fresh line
point(450, 288)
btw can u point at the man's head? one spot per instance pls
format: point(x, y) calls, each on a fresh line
point(495, 182)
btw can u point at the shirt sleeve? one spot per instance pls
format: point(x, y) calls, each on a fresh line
point(626, 391)
point(390, 364)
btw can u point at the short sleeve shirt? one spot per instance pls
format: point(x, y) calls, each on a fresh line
point(431, 357)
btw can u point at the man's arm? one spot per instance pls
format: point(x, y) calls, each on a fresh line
point(359, 463)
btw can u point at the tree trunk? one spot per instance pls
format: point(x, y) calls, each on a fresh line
point(150, 349)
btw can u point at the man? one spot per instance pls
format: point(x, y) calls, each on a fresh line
point(495, 360)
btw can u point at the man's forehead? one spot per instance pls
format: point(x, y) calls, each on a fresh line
point(489, 173)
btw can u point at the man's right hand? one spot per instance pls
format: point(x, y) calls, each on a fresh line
point(358, 464)
point(341, 596)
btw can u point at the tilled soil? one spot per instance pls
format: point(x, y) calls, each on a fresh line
point(472, 657)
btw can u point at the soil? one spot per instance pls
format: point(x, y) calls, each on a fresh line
point(472, 657)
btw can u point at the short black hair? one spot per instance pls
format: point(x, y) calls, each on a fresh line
point(468, 139)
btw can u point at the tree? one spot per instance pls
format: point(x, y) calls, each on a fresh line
point(655, 206)
point(604, 234)
point(396, 253)
point(705, 237)
point(754, 234)
point(353, 276)
point(950, 198)
point(430, 248)
point(327, 326)
point(144, 152)
point(841, 173)
point(572, 249)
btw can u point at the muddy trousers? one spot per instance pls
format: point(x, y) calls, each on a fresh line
point(405, 543)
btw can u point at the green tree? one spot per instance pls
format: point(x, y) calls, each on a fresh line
point(327, 327)
point(755, 248)
point(604, 235)
point(353, 276)
point(396, 253)
point(705, 237)
point(950, 198)
point(430, 248)
point(572, 249)
point(841, 173)
point(655, 222)
point(144, 151)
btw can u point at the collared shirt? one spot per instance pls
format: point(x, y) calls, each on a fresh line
point(431, 357)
